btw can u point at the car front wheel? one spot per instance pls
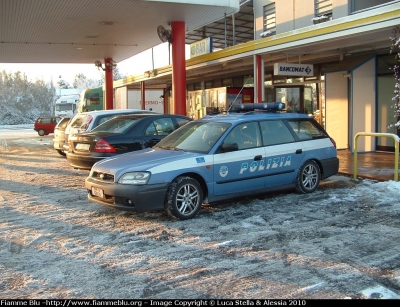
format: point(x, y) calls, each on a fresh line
point(41, 132)
point(308, 178)
point(184, 198)
point(61, 152)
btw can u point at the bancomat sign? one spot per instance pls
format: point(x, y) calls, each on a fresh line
point(287, 69)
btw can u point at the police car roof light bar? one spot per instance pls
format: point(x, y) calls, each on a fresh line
point(264, 106)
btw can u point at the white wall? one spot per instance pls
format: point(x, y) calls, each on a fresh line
point(121, 98)
point(363, 105)
point(294, 14)
point(153, 100)
point(290, 15)
point(337, 108)
point(340, 8)
point(304, 13)
point(284, 16)
point(258, 16)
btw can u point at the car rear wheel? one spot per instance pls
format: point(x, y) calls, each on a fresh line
point(184, 198)
point(308, 178)
point(41, 132)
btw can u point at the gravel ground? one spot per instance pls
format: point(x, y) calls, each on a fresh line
point(341, 242)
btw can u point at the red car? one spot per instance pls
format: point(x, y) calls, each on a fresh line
point(45, 125)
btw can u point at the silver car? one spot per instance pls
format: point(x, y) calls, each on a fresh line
point(59, 135)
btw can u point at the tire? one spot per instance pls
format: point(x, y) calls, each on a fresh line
point(41, 132)
point(61, 152)
point(308, 178)
point(184, 198)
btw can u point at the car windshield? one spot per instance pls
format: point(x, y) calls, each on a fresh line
point(64, 107)
point(194, 136)
point(117, 125)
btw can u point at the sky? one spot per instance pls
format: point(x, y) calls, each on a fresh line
point(132, 66)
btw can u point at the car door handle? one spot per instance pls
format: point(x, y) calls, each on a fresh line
point(299, 151)
point(258, 157)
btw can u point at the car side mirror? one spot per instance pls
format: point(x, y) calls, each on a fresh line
point(228, 147)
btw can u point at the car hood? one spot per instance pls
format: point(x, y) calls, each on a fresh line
point(141, 160)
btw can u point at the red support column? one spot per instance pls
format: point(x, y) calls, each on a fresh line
point(164, 100)
point(178, 67)
point(259, 78)
point(109, 101)
point(143, 95)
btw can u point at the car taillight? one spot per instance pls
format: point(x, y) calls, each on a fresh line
point(103, 146)
point(333, 142)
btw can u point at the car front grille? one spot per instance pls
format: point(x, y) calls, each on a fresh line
point(103, 176)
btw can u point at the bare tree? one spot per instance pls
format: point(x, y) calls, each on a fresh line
point(82, 82)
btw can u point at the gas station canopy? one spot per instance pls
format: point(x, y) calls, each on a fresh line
point(83, 31)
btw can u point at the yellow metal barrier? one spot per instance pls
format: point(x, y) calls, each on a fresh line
point(396, 151)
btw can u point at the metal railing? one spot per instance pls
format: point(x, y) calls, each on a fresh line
point(396, 151)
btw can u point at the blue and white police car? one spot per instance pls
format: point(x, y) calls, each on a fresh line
point(216, 158)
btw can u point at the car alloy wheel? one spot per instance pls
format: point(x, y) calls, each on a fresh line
point(184, 198)
point(308, 178)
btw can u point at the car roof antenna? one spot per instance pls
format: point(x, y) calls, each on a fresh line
point(233, 102)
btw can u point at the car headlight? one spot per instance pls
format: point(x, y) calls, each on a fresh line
point(138, 178)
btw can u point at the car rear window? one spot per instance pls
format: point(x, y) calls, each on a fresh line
point(80, 120)
point(46, 120)
point(63, 123)
point(306, 130)
point(275, 132)
point(118, 124)
point(103, 119)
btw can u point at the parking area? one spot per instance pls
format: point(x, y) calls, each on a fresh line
point(342, 241)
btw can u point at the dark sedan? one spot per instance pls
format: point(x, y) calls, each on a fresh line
point(119, 135)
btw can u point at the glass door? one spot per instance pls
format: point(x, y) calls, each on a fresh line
point(291, 96)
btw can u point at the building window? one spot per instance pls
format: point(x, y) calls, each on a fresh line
point(209, 84)
point(323, 8)
point(227, 82)
point(270, 18)
point(360, 5)
point(238, 81)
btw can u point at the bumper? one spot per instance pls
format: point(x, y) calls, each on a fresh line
point(58, 145)
point(128, 197)
point(330, 167)
point(82, 162)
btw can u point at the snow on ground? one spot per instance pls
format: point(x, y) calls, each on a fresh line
point(342, 241)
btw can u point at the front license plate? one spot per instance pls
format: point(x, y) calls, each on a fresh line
point(80, 146)
point(97, 192)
